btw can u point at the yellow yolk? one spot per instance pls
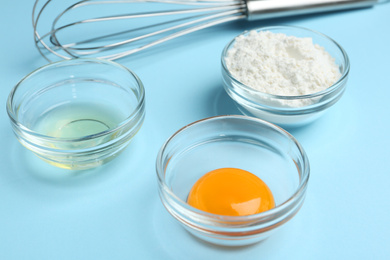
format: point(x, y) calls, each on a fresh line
point(231, 192)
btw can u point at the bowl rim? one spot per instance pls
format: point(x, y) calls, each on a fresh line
point(334, 87)
point(266, 215)
point(68, 62)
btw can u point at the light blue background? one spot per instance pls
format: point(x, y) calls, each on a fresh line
point(114, 212)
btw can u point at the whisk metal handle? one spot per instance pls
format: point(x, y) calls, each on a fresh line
point(264, 9)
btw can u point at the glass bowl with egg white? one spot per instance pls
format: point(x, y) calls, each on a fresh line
point(77, 114)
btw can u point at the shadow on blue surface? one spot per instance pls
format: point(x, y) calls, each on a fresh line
point(223, 104)
point(27, 174)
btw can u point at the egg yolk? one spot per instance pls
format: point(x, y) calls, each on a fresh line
point(231, 192)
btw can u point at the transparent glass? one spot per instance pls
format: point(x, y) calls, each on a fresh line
point(241, 142)
point(283, 110)
point(77, 114)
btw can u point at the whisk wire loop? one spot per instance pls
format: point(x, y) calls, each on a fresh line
point(199, 15)
point(111, 34)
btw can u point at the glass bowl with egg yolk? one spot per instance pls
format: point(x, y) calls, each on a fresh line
point(232, 180)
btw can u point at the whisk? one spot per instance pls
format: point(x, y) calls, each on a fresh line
point(96, 28)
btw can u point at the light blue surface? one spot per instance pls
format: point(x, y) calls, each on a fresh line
point(114, 212)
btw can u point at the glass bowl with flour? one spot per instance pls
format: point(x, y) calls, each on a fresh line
point(284, 74)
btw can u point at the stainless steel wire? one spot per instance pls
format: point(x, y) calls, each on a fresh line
point(200, 15)
point(64, 30)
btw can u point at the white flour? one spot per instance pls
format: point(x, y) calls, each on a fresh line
point(278, 64)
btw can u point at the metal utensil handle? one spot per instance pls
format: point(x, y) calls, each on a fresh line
point(264, 9)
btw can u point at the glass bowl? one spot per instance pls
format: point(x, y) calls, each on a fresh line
point(247, 143)
point(290, 111)
point(77, 114)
